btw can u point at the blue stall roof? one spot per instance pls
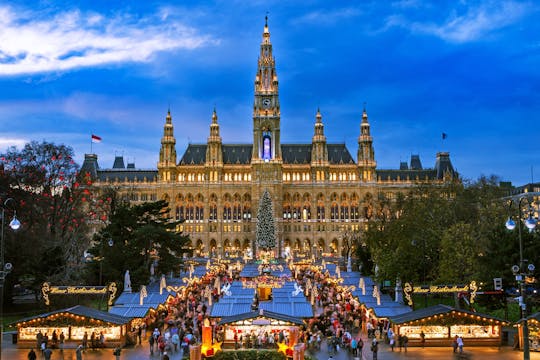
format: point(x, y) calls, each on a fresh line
point(130, 311)
point(300, 310)
point(229, 309)
point(153, 299)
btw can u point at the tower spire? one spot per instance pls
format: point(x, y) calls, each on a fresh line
point(366, 154)
point(266, 109)
point(167, 153)
point(214, 153)
point(319, 150)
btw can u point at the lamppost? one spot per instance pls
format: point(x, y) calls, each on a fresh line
point(424, 265)
point(110, 242)
point(349, 241)
point(520, 271)
point(5, 268)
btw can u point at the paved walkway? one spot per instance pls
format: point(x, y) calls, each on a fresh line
point(11, 352)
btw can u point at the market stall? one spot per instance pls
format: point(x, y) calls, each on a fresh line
point(75, 322)
point(533, 322)
point(254, 323)
point(441, 323)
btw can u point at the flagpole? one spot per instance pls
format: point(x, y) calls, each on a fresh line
point(91, 142)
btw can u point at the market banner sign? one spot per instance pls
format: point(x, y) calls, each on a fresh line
point(47, 289)
point(408, 290)
point(264, 282)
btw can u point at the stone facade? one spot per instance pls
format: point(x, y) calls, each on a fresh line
point(319, 191)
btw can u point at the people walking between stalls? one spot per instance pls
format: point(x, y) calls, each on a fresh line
point(454, 343)
point(375, 348)
point(460, 344)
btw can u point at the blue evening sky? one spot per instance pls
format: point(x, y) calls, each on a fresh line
point(470, 69)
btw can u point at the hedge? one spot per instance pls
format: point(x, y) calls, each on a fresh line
point(249, 355)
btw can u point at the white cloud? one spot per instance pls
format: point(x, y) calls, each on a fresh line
point(476, 23)
point(6, 142)
point(32, 44)
point(327, 17)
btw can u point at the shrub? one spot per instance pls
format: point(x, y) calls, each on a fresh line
point(249, 355)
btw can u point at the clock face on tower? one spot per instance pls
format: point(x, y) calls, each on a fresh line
point(266, 103)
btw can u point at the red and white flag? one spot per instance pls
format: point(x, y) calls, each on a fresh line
point(96, 139)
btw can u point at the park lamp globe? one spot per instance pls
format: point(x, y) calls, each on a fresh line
point(15, 224)
point(530, 223)
point(510, 224)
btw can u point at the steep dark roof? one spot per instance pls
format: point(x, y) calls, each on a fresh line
point(404, 174)
point(339, 154)
point(416, 164)
point(195, 155)
point(296, 153)
point(237, 154)
point(129, 174)
point(90, 165)
point(84, 311)
point(118, 162)
point(241, 154)
point(443, 165)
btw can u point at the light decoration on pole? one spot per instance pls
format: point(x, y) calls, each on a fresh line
point(521, 271)
point(5, 268)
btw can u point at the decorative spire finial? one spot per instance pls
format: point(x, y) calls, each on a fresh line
point(214, 116)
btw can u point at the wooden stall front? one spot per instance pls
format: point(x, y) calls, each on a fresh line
point(533, 322)
point(441, 323)
point(74, 322)
point(257, 322)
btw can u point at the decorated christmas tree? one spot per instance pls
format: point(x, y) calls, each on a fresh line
point(266, 228)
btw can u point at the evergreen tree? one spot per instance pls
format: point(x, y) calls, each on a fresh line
point(139, 235)
point(266, 228)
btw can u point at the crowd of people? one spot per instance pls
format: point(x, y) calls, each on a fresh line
point(340, 321)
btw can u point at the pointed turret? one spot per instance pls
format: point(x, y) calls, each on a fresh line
point(214, 153)
point(266, 110)
point(90, 166)
point(167, 153)
point(443, 165)
point(366, 155)
point(319, 150)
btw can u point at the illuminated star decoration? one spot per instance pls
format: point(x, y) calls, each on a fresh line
point(209, 350)
point(285, 349)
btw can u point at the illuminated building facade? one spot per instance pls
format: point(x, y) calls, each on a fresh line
point(318, 189)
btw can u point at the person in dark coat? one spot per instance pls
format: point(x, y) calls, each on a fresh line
point(375, 348)
point(32, 355)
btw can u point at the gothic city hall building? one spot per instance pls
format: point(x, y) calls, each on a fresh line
point(319, 192)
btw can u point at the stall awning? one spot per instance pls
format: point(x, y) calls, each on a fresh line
point(443, 310)
point(533, 317)
point(152, 299)
point(225, 309)
point(294, 309)
point(261, 314)
point(82, 311)
point(130, 311)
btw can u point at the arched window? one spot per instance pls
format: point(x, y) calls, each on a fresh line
point(266, 145)
point(334, 212)
point(179, 212)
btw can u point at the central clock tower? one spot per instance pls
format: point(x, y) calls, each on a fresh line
point(266, 113)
